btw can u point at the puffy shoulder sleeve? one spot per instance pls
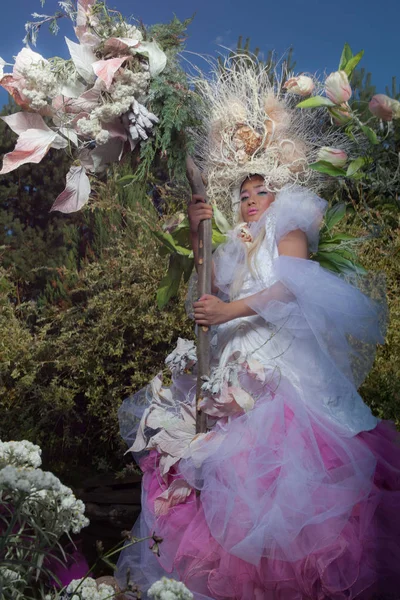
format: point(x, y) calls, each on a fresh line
point(299, 208)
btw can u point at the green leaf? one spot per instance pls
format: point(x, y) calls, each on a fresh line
point(314, 102)
point(188, 264)
point(370, 133)
point(334, 215)
point(345, 57)
point(170, 283)
point(181, 237)
point(168, 241)
point(355, 166)
point(323, 166)
point(126, 179)
point(326, 264)
point(217, 238)
point(220, 220)
point(339, 263)
point(352, 63)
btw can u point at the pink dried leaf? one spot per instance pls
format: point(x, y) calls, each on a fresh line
point(32, 145)
point(241, 398)
point(22, 121)
point(140, 442)
point(166, 463)
point(202, 446)
point(76, 192)
point(14, 86)
point(115, 44)
point(83, 58)
point(157, 58)
point(106, 69)
point(87, 102)
point(25, 59)
point(173, 442)
point(116, 130)
point(177, 493)
point(159, 418)
point(107, 154)
point(73, 89)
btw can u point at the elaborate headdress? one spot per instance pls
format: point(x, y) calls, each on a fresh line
point(252, 126)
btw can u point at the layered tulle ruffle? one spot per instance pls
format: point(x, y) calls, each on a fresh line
point(289, 509)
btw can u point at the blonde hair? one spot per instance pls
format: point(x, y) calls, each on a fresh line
point(251, 250)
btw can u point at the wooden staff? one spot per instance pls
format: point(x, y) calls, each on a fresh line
point(204, 270)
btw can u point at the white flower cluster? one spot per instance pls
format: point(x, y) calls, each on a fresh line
point(20, 454)
point(133, 33)
point(220, 377)
point(87, 589)
point(92, 128)
point(129, 85)
point(169, 589)
point(122, 93)
point(9, 576)
point(130, 31)
point(183, 358)
point(46, 498)
point(41, 84)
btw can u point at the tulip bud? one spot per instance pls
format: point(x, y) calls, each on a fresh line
point(334, 156)
point(301, 85)
point(339, 116)
point(384, 108)
point(337, 87)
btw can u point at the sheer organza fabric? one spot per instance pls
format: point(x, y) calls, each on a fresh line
point(300, 489)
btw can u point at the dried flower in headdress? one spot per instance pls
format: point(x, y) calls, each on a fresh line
point(247, 139)
point(253, 127)
point(243, 233)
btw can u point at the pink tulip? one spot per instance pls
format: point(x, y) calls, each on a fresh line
point(334, 156)
point(337, 87)
point(339, 116)
point(384, 108)
point(301, 85)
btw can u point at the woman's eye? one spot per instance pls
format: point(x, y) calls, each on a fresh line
point(262, 193)
point(243, 198)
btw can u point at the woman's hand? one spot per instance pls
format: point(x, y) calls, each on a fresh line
point(210, 310)
point(198, 210)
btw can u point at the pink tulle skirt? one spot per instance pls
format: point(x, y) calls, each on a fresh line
point(289, 509)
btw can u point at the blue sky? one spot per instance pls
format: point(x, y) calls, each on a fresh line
point(317, 29)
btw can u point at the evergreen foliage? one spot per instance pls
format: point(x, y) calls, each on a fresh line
point(80, 328)
point(35, 243)
point(67, 366)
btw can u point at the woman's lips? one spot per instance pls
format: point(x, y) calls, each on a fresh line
point(252, 211)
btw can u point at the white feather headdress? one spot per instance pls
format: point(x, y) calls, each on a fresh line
point(252, 126)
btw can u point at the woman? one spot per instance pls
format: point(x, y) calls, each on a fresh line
point(299, 483)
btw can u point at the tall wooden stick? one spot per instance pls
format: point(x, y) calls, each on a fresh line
point(204, 287)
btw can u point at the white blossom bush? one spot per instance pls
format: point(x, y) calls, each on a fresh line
point(169, 589)
point(20, 454)
point(36, 509)
point(88, 589)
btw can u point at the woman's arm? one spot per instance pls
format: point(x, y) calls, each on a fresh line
point(209, 310)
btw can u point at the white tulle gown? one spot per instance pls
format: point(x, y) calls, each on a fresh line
point(299, 482)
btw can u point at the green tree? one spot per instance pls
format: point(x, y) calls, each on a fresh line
point(35, 242)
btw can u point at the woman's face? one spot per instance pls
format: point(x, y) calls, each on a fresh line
point(254, 198)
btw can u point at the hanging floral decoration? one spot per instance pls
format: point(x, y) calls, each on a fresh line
point(93, 104)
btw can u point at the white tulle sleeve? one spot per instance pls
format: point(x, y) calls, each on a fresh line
point(299, 208)
point(334, 329)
